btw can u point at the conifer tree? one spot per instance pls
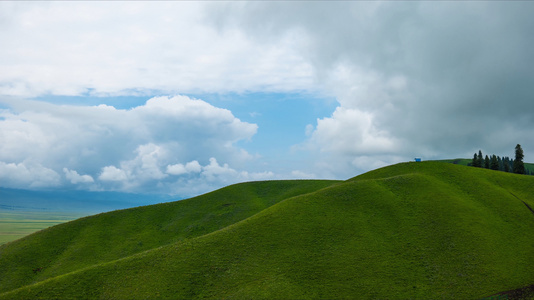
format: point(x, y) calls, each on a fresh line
point(506, 164)
point(501, 163)
point(519, 167)
point(480, 159)
point(474, 162)
point(486, 162)
point(494, 163)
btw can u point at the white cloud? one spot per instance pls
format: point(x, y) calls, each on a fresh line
point(200, 179)
point(214, 171)
point(110, 48)
point(76, 178)
point(351, 132)
point(118, 149)
point(27, 175)
point(193, 167)
point(179, 169)
point(146, 165)
point(411, 78)
point(112, 173)
point(347, 143)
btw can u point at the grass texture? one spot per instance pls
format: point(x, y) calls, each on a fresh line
point(427, 230)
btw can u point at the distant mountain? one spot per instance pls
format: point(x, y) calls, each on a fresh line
point(428, 230)
point(74, 201)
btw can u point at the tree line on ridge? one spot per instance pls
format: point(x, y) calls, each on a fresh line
point(504, 164)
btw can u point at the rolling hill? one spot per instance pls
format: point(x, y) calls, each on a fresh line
point(428, 230)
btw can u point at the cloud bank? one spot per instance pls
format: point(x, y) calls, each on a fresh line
point(426, 79)
point(431, 79)
point(114, 48)
point(146, 148)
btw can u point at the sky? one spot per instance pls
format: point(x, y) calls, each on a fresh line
point(184, 97)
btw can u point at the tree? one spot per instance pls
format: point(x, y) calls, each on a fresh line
point(506, 164)
point(519, 167)
point(474, 162)
point(486, 162)
point(494, 163)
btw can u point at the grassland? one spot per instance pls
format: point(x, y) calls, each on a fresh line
point(426, 230)
point(110, 236)
point(17, 224)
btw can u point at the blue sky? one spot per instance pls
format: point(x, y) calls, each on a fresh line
point(282, 119)
point(181, 98)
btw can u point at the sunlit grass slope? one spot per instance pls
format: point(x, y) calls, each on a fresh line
point(426, 230)
point(110, 236)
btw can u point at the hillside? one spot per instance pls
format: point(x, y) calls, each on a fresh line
point(114, 235)
point(426, 230)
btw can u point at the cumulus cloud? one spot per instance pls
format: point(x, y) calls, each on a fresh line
point(179, 169)
point(146, 165)
point(351, 132)
point(144, 168)
point(193, 178)
point(134, 149)
point(112, 173)
point(411, 78)
point(214, 170)
point(76, 178)
point(27, 175)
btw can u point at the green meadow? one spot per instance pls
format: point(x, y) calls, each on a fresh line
point(429, 230)
point(17, 224)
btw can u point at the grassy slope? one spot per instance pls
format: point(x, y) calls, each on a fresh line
point(15, 224)
point(110, 236)
point(412, 230)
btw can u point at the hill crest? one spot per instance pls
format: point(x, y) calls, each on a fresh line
point(411, 230)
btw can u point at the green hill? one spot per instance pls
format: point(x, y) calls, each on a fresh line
point(467, 162)
point(426, 230)
point(110, 236)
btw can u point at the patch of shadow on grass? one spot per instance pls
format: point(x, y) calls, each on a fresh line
point(528, 206)
point(532, 210)
point(523, 293)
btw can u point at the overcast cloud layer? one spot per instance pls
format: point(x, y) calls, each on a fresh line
point(430, 79)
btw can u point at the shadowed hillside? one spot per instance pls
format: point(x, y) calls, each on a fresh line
point(426, 230)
